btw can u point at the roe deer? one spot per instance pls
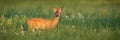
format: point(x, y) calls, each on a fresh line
point(39, 23)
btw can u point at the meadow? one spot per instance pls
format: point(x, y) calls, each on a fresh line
point(80, 19)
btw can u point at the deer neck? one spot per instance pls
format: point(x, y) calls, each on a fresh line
point(55, 21)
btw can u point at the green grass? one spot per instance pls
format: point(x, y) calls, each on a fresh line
point(84, 20)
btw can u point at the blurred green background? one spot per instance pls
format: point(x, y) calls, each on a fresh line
point(79, 20)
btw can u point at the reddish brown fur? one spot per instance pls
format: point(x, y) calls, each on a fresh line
point(39, 23)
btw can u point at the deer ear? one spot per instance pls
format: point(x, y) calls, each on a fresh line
point(54, 9)
point(60, 9)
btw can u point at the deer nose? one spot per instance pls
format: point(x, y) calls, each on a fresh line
point(57, 15)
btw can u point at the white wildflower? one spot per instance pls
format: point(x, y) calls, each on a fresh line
point(21, 28)
point(17, 33)
point(9, 21)
point(22, 32)
point(80, 15)
point(73, 26)
point(3, 29)
point(73, 16)
point(67, 26)
point(66, 17)
point(105, 30)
